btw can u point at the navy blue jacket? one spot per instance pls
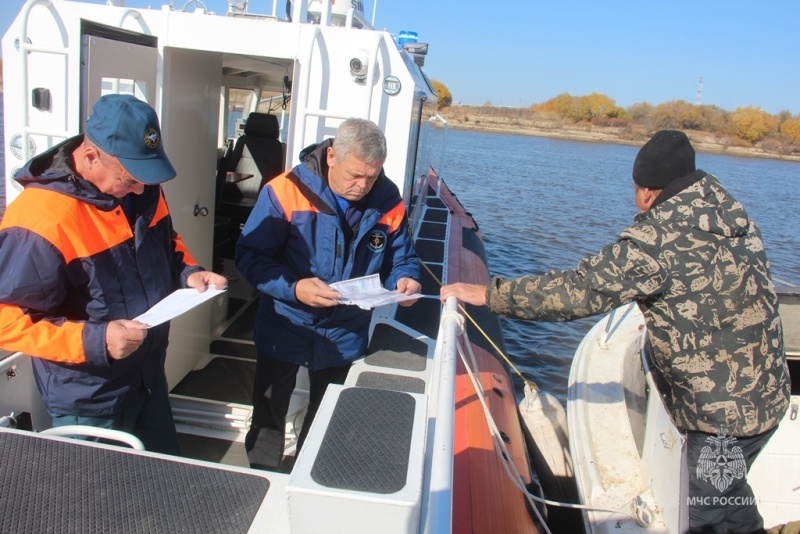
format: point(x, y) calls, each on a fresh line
point(70, 262)
point(295, 232)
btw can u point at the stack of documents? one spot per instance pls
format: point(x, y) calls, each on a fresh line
point(367, 292)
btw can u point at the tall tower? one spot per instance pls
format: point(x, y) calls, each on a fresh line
point(698, 98)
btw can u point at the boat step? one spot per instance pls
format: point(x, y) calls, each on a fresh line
point(222, 379)
point(212, 449)
point(363, 471)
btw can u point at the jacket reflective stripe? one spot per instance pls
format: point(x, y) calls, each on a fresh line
point(394, 217)
point(290, 197)
point(20, 334)
point(68, 236)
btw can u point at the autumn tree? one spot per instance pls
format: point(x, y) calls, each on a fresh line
point(677, 114)
point(579, 108)
point(559, 105)
point(599, 105)
point(790, 129)
point(752, 124)
point(445, 98)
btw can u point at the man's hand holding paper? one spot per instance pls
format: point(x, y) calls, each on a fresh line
point(367, 292)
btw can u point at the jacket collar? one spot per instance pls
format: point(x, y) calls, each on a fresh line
point(53, 170)
point(313, 172)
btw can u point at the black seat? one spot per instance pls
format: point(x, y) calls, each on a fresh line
point(258, 152)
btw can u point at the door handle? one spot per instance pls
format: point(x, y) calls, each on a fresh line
point(200, 210)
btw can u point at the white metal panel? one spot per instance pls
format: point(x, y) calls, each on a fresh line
point(106, 74)
point(189, 123)
point(775, 475)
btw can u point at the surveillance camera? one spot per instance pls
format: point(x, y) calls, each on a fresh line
point(359, 65)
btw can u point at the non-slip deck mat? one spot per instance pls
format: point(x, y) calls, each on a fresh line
point(389, 347)
point(233, 348)
point(367, 444)
point(430, 230)
point(58, 486)
point(430, 251)
point(434, 202)
point(219, 451)
point(490, 324)
point(234, 305)
point(473, 243)
point(422, 316)
point(409, 384)
point(430, 285)
point(223, 379)
point(436, 215)
point(242, 327)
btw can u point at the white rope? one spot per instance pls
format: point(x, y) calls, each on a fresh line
point(455, 316)
point(499, 445)
point(641, 508)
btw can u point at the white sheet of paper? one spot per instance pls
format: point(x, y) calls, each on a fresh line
point(175, 304)
point(367, 292)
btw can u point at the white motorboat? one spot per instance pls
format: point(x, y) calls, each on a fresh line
point(627, 452)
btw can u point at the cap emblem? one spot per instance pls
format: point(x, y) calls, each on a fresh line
point(151, 138)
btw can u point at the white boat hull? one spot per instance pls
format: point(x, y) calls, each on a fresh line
point(627, 452)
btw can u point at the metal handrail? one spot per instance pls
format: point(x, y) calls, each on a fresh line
point(304, 111)
point(24, 48)
point(138, 16)
point(438, 499)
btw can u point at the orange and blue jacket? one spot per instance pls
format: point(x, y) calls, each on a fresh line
point(70, 262)
point(295, 231)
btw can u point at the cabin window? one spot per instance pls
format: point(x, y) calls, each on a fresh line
point(240, 103)
point(124, 86)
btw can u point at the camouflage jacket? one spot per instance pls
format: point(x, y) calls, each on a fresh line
point(695, 264)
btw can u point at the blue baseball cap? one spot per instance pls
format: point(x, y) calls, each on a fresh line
point(127, 128)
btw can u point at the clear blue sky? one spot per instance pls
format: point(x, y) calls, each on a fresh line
point(521, 52)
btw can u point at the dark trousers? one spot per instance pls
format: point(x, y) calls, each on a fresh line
point(149, 419)
point(272, 391)
point(720, 499)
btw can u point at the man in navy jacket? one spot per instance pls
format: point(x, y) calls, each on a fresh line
point(86, 247)
point(335, 216)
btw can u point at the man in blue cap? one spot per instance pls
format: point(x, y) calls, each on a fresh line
point(86, 247)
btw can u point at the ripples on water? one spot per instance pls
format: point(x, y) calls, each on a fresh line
point(544, 203)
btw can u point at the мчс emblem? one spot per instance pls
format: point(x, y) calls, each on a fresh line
point(719, 464)
point(377, 241)
point(151, 138)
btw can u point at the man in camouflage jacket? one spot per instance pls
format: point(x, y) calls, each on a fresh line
point(695, 264)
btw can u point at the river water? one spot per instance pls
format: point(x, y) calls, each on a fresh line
point(544, 203)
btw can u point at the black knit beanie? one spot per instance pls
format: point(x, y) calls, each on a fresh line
point(667, 156)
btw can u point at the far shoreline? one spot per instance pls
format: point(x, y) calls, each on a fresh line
point(596, 135)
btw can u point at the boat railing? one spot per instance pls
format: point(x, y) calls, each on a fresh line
point(304, 111)
point(299, 12)
point(432, 122)
point(25, 48)
point(438, 499)
point(420, 200)
point(132, 13)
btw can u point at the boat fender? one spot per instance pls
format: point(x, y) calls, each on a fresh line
point(544, 422)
